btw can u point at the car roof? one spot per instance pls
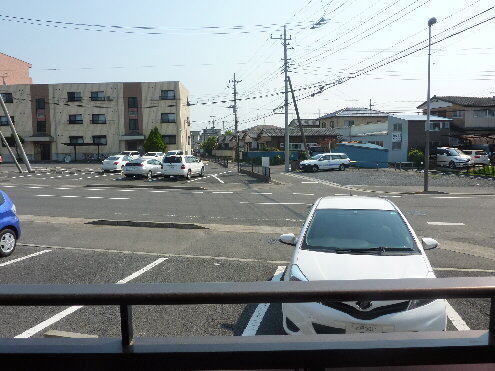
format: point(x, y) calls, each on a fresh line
point(355, 203)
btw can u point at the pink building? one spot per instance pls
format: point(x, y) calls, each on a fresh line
point(13, 71)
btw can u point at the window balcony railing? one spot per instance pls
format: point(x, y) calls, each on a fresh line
point(76, 121)
point(475, 347)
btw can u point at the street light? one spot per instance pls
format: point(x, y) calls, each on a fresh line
point(431, 22)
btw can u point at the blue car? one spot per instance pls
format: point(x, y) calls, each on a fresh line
point(10, 230)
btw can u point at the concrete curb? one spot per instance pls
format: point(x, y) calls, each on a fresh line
point(144, 186)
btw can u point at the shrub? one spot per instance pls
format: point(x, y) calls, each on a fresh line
point(416, 156)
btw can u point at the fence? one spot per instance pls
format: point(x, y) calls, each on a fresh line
point(252, 352)
point(256, 171)
point(222, 161)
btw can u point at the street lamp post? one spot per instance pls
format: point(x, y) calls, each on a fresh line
point(431, 22)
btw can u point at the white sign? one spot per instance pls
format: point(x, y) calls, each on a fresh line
point(265, 161)
point(396, 136)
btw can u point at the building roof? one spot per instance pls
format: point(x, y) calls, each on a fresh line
point(421, 118)
point(361, 145)
point(304, 122)
point(355, 112)
point(20, 60)
point(295, 132)
point(463, 101)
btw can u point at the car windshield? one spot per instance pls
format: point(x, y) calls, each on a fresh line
point(315, 157)
point(333, 229)
point(173, 160)
point(113, 158)
point(454, 152)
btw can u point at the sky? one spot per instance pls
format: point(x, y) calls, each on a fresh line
point(360, 51)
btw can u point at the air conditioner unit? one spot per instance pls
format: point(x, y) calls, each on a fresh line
point(109, 98)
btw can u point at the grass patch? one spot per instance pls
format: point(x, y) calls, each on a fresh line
point(483, 171)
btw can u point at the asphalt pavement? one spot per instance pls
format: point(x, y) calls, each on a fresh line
point(83, 226)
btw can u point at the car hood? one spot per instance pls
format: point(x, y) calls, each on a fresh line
point(330, 266)
point(308, 162)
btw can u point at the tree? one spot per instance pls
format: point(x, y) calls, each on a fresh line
point(12, 143)
point(209, 144)
point(228, 132)
point(417, 156)
point(154, 142)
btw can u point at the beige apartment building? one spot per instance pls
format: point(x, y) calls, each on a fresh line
point(82, 120)
point(14, 71)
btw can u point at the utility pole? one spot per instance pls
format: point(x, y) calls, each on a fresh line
point(286, 104)
point(16, 137)
point(236, 122)
point(213, 121)
point(371, 105)
point(303, 137)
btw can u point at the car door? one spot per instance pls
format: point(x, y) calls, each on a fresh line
point(197, 165)
point(324, 162)
point(334, 162)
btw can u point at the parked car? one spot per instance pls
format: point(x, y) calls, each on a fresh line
point(184, 166)
point(478, 156)
point(142, 167)
point(10, 229)
point(453, 158)
point(156, 155)
point(175, 152)
point(359, 238)
point(115, 163)
point(326, 161)
point(132, 154)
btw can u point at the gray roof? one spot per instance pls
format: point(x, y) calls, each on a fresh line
point(355, 111)
point(463, 101)
point(304, 122)
point(295, 132)
point(421, 118)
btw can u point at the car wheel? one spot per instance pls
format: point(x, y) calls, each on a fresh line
point(8, 241)
point(188, 175)
point(314, 168)
point(341, 167)
point(202, 172)
point(452, 164)
point(122, 168)
point(128, 176)
point(149, 175)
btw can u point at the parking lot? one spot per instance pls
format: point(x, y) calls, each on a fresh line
point(223, 227)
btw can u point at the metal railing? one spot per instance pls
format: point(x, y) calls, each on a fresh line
point(257, 171)
point(222, 161)
point(252, 352)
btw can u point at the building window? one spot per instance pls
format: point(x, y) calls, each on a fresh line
point(189, 140)
point(434, 126)
point(98, 119)
point(97, 95)
point(445, 125)
point(75, 119)
point(323, 125)
point(74, 96)
point(167, 94)
point(100, 139)
point(76, 140)
point(40, 103)
point(348, 122)
point(170, 139)
point(396, 145)
point(7, 97)
point(397, 127)
point(4, 121)
point(484, 113)
point(133, 124)
point(168, 117)
point(132, 102)
point(457, 113)
point(41, 126)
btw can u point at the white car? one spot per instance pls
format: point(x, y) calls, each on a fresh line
point(453, 157)
point(326, 161)
point(359, 238)
point(174, 152)
point(142, 167)
point(478, 156)
point(115, 163)
point(132, 154)
point(156, 155)
point(183, 166)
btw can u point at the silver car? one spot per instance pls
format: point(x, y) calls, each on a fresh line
point(115, 163)
point(142, 167)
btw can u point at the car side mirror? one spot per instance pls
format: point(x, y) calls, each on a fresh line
point(321, 159)
point(288, 238)
point(161, 166)
point(429, 243)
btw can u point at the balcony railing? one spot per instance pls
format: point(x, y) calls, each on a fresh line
point(252, 352)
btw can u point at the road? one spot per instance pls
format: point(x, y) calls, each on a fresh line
point(223, 227)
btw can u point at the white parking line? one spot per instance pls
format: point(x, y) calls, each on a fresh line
point(93, 197)
point(444, 223)
point(24, 257)
point(9, 186)
point(309, 182)
point(223, 192)
point(259, 313)
point(456, 319)
point(62, 188)
point(45, 195)
point(303, 194)
point(214, 176)
point(158, 191)
point(35, 187)
point(57, 317)
point(126, 190)
point(70, 196)
point(118, 198)
point(261, 193)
